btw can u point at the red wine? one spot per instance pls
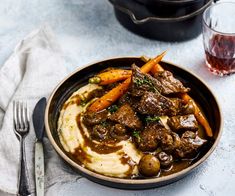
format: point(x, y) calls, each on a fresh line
point(221, 55)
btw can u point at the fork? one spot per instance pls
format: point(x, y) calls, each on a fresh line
point(21, 129)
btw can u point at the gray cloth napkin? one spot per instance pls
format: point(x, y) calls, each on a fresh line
point(31, 72)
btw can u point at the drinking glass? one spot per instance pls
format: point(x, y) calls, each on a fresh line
point(219, 38)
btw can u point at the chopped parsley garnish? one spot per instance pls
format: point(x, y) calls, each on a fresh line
point(149, 119)
point(112, 108)
point(136, 134)
point(145, 81)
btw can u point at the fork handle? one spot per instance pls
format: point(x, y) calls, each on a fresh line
point(23, 189)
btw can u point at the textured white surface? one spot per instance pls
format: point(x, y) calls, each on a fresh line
point(88, 31)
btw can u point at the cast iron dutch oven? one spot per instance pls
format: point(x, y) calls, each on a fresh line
point(139, 19)
point(173, 8)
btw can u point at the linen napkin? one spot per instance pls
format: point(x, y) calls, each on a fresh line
point(31, 72)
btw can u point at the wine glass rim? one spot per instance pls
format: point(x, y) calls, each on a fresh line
point(212, 29)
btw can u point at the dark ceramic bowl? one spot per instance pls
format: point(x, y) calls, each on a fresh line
point(139, 19)
point(199, 91)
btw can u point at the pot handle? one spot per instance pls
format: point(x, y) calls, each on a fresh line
point(152, 18)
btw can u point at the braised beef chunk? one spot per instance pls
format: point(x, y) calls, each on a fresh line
point(170, 141)
point(119, 129)
point(187, 108)
point(150, 137)
point(156, 135)
point(189, 146)
point(119, 132)
point(183, 123)
point(126, 116)
point(141, 82)
point(92, 118)
point(99, 132)
point(127, 98)
point(163, 82)
point(169, 84)
point(158, 105)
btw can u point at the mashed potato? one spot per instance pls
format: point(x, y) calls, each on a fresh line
point(121, 161)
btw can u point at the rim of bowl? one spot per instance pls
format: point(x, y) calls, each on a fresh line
point(121, 180)
point(212, 29)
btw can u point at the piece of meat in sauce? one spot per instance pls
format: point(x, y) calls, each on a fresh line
point(99, 132)
point(168, 84)
point(127, 98)
point(119, 132)
point(151, 136)
point(156, 135)
point(158, 105)
point(170, 141)
point(163, 82)
point(141, 82)
point(188, 108)
point(189, 146)
point(183, 123)
point(94, 118)
point(126, 116)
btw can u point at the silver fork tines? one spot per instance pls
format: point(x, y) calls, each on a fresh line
point(21, 118)
point(21, 129)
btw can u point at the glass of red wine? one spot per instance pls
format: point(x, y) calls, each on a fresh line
point(219, 38)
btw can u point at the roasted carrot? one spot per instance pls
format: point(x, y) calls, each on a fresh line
point(114, 94)
point(149, 65)
point(157, 68)
point(198, 114)
point(111, 76)
point(186, 98)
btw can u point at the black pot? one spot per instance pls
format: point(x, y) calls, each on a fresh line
point(174, 8)
point(137, 18)
point(173, 3)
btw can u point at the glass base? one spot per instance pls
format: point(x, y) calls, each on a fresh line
point(219, 72)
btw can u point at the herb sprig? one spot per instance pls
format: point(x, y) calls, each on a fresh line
point(145, 81)
point(150, 119)
point(136, 134)
point(112, 108)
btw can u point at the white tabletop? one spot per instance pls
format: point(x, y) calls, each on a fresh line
point(88, 31)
